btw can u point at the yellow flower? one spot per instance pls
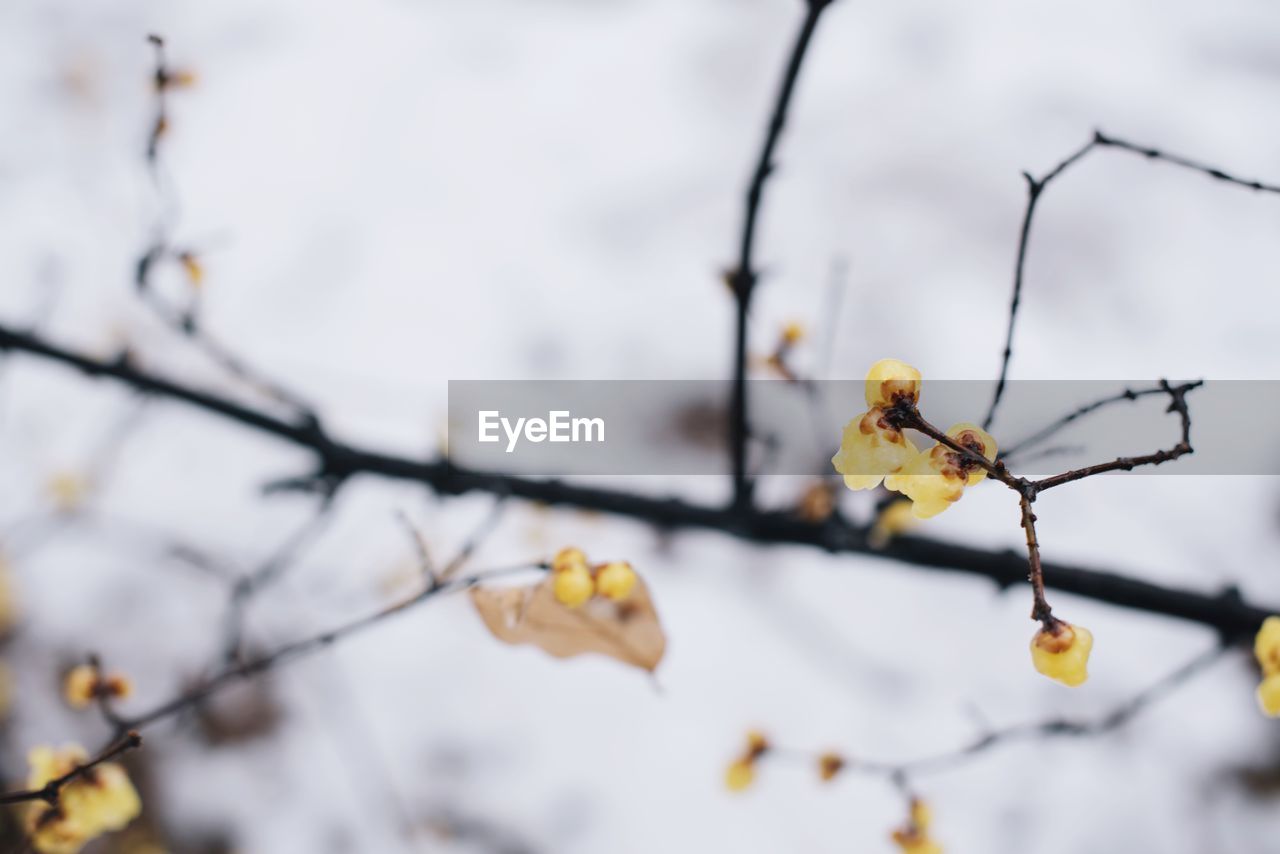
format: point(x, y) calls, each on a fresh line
point(891, 382)
point(100, 800)
point(1061, 652)
point(914, 837)
point(893, 520)
point(80, 686)
point(1266, 648)
point(870, 449)
point(568, 558)
point(792, 333)
point(740, 774)
point(1269, 696)
point(574, 586)
point(68, 491)
point(615, 580)
point(936, 478)
point(830, 765)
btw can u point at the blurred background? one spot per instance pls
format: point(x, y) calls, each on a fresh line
point(387, 195)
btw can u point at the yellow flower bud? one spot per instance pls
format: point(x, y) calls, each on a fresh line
point(870, 449)
point(1266, 646)
point(792, 333)
point(1061, 652)
point(1269, 696)
point(740, 774)
point(893, 520)
point(573, 586)
point(80, 686)
point(830, 765)
point(615, 580)
point(569, 558)
point(890, 382)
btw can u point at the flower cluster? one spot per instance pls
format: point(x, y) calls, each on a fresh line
point(1061, 652)
point(1266, 647)
point(874, 449)
point(575, 581)
point(101, 799)
point(741, 772)
point(913, 837)
point(85, 683)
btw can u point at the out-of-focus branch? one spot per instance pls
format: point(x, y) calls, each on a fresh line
point(1226, 612)
point(306, 646)
point(742, 279)
point(899, 772)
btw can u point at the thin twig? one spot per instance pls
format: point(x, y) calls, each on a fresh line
point(1036, 187)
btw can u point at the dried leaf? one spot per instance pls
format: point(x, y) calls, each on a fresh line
point(628, 631)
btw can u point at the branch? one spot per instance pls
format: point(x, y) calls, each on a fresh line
point(50, 792)
point(1036, 186)
point(899, 772)
point(1227, 613)
point(306, 646)
point(743, 277)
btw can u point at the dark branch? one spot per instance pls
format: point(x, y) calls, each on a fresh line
point(1226, 613)
point(742, 278)
point(50, 792)
point(1036, 187)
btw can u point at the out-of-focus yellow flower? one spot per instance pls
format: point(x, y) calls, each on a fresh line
point(1061, 652)
point(8, 601)
point(193, 268)
point(80, 686)
point(615, 580)
point(68, 491)
point(830, 765)
point(936, 478)
point(739, 776)
point(741, 772)
point(914, 837)
point(100, 800)
point(569, 558)
point(792, 333)
point(574, 586)
point(85, 683)
point(893, 520)
point(870, 449)
point(1266, 648)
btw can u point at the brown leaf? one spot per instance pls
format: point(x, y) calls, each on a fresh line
point(628, 631)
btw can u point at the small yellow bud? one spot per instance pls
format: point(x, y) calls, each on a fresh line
point(757, 744)
point(68, 491)
point(740, 774)
point(893, 520)
point(890, 382)
point(80, 686)
point(792, 334)
point(574, 586)
point(615, 580)
point(829, 765)
point(1266, 646)
point(1061, 652)
point(1269, 696)
point(569, 558)
point(193, 268)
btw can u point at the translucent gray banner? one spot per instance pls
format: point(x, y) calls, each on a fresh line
point(563, 428)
